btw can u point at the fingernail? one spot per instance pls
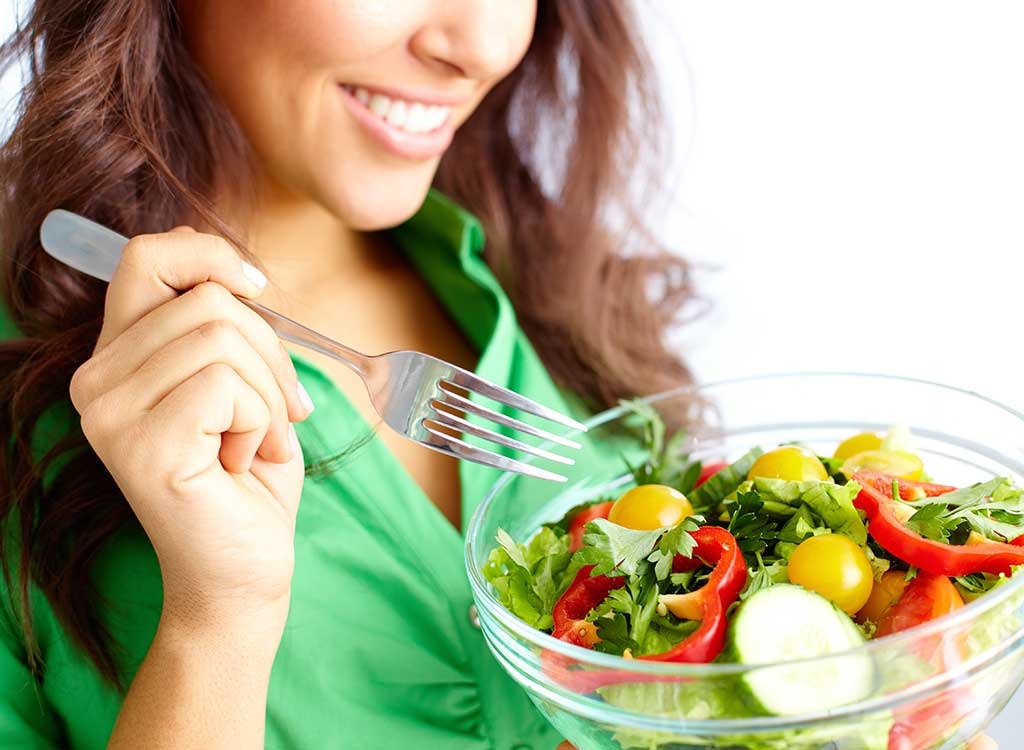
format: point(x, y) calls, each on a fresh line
point(293, 439)
point(304, 399)
point(253, 274)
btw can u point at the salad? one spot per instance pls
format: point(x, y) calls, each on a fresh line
point(780, 555)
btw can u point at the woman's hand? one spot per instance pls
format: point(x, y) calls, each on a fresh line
point(188, 400)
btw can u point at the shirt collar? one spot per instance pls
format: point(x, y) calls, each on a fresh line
point(444, 224)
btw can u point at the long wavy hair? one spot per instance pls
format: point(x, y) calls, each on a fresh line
point(117, 123)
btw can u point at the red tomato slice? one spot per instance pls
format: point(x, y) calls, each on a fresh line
point(581, 519)
point(708, 470)
point(928, 596)
point(924, 723)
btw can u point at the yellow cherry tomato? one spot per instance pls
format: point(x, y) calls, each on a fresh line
point(650, 506)
point(862, 441)
point(791, 462)
point(885, 592)
point(898, 463)
point(834, 566)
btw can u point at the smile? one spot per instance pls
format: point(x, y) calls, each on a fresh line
point(410, 116)
point(405, 127)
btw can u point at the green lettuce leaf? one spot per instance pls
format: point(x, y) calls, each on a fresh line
point(833, 503)
point(529, 578)
point(801, 525)
point(715, 490)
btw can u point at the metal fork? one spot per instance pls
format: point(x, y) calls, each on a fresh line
point(420, 397)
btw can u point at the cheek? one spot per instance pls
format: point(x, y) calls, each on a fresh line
point(276, 65)
point(270, 59)
point(238, 42)
point(521, 29)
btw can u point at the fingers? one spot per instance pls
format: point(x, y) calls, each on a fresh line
point(203, 305)
point(156, 338)
point(180, 438)
point(214, 400)
point(154, 268)
point(174, 324)
point(214, 343)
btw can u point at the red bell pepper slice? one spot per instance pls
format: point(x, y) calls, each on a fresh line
point(569, 613)
point(584, 593)
point(714, 546)
point(580, 520)
point(876, 500)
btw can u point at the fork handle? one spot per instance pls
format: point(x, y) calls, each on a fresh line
point(96, 250)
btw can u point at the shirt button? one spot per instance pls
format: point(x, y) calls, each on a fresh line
point(474, 620)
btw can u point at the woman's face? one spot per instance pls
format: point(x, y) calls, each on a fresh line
point(351, 103)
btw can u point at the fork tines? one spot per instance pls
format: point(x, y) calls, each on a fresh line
point(449, 421)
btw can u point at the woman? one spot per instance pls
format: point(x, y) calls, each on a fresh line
point(165, 587)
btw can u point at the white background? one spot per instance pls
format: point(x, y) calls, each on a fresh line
point(855, 173)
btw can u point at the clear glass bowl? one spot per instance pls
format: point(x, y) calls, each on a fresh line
point(945, 680)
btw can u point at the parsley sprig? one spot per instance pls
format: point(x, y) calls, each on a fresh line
point(753, 530)
point(994, 509)
point(764, 575)
point(665, 461)
point(616, 550)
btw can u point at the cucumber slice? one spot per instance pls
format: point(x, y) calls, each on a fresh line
point(787, 622)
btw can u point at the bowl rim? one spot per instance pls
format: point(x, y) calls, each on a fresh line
point(483, 594)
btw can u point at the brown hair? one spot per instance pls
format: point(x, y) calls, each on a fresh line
point(116, 123)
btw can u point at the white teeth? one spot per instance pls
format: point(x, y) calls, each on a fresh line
point(397, 114)
point(437, 116)
point(417, 120)
point(412, 117)
point(379, 105)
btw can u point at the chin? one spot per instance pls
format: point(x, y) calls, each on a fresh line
point(380, 202)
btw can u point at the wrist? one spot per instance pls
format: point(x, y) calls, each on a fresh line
point(244, 625)
point(204, 680)
point(244, 652)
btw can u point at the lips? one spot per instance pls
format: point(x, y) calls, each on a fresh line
point(413, 127)
point(406, 115)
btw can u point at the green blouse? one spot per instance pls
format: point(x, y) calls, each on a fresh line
point(380, 649)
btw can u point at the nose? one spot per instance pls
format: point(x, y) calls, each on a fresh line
point(478, 39)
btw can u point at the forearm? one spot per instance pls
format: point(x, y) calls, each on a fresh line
point(201, 687)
